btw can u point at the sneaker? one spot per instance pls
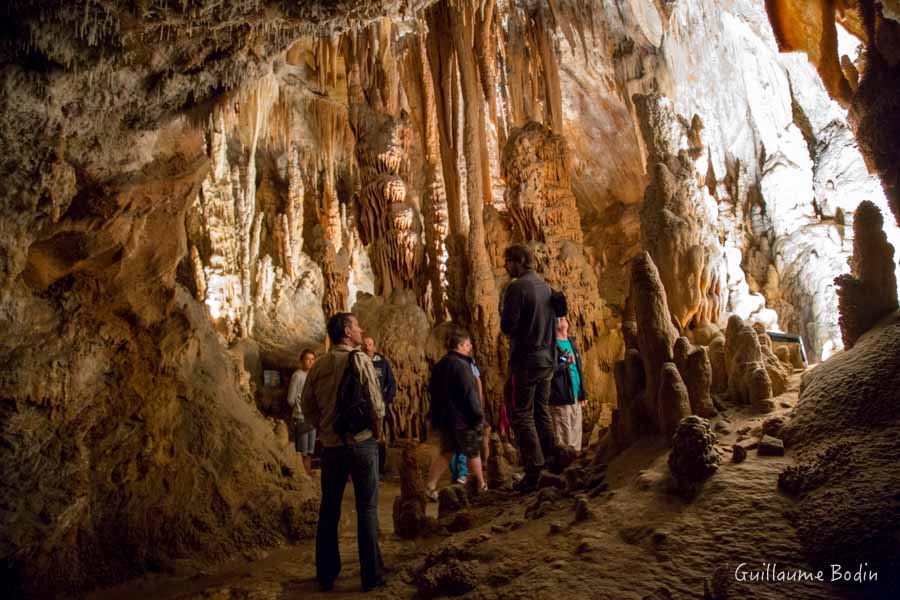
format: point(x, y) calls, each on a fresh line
point(431, 494)
point(462, 480)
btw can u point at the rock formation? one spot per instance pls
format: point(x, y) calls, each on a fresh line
point(678, 219)
point(693, 457)
point(672, 402)
point(662, 378)
point(246, 250)
point(409, 506)
point(869, 293)
point(655, 332)
point(696, 373)
point(399, 327)
point(748, 378)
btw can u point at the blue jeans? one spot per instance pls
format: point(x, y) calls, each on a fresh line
point(359, 461)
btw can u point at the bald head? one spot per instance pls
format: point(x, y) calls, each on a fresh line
point(369, 346)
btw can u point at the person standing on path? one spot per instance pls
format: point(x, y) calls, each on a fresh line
point(304, 434)
point(348, 455)
point(528, 319)
point(567, 394)
point(456, 412)
point(388, 386)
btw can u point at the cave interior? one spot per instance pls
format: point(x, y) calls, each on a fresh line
point(190, 189)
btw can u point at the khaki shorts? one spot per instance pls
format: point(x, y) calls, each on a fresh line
point(464, 441)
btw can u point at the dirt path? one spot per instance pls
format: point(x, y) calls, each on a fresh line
point(643, 542)
point(289, 572)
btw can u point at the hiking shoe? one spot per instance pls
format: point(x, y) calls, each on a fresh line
point(462, 480)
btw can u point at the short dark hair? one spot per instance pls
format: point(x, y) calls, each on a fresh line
point(457, 337)
point(306, 351)
point(520, 253)
point(337, 324)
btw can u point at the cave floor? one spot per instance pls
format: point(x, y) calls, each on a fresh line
point(643, 542)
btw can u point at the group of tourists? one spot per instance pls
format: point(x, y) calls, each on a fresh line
point(342, 397)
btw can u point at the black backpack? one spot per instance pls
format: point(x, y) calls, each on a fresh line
point(354, 410)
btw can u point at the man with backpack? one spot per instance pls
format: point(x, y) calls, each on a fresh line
point(528, 318)
point(342, 400)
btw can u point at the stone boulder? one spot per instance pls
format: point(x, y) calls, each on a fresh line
point(693, 457)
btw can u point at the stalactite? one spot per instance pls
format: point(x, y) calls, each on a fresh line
point(541, 34)
point(294, 214)
point(420, 91)
point(443, 64)
point(335, 267)
point(481, 292)
point(389, 220)
point(485, 53)
point(199, 275)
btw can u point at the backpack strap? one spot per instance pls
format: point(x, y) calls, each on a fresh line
point(351, 356)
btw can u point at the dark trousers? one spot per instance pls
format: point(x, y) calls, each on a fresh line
point(359, 461)
point(529, 414)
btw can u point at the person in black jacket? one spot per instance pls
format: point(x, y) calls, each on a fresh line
point(567, 395)
point(388, 386)
point(456, 413)
point(528, 319)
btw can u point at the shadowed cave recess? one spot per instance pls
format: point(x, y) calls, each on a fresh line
point(190, 188)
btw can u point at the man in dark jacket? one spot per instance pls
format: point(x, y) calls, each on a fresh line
point(456, 413)
point(567, 394)
point(388, 386)
point(528, 319)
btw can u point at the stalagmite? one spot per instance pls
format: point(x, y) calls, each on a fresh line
point(678, 219)
point(748, 380)
point(696, 372)
point(672, 403)
point(656, 334)
point(869, 292)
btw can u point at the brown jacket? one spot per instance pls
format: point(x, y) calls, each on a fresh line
point(320, 393)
